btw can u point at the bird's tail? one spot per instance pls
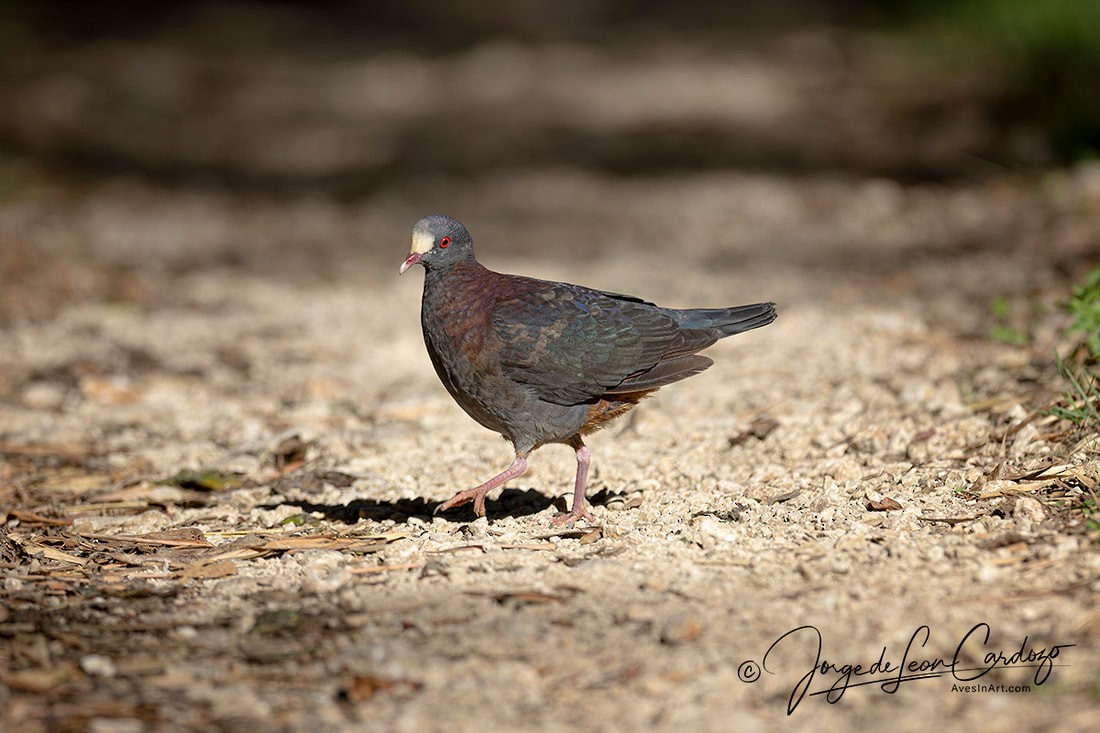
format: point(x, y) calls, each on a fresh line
point(728, 321)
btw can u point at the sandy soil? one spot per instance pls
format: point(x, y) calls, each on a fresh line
point(222, 441)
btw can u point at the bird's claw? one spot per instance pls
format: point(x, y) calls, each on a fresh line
point(564, 520)
point(462, 497)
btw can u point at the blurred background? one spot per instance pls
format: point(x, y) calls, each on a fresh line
point(290, 136)
point(162, 87)
point(349, 95)
point(203, 208)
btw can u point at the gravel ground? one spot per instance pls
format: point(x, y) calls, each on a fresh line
point(222, 440)
point(733, 508)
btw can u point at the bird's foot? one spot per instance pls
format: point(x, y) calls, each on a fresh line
point(477, 496)
point(564, 520)
point(580, 507)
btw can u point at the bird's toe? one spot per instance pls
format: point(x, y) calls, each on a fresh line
point(572, 517)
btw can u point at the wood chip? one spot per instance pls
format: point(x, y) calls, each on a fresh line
point(368, 569)
point(144, 540)
point(1006, 487)
point(541, 546)
point(321, 542)
point(29, 517)
point(105, 506)
point(527, 597)
point(36, 680)
point(68, 452)
point(570, 534)
point(785, 496)
point(951, 521)
point(75, 481)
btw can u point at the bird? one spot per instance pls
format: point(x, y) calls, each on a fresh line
point(544, 362)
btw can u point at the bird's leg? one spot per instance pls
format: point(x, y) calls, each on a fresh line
point(579, 510)
point(477, 494)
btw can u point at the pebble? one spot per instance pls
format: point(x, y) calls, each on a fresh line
point(1028, 512)
point(98, 665)
point(44, 395)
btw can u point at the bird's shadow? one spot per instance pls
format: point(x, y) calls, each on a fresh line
point(511, 503)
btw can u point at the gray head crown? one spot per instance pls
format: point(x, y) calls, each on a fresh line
point(438, 241)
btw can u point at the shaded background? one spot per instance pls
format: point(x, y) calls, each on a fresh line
point(302, 134)
point(205, 348)
point(351, 94)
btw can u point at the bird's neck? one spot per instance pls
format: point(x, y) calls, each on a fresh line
point(456, 273)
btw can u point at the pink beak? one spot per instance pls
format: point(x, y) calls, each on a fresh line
point(410, 261)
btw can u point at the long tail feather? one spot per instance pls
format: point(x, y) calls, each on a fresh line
point(728, 321)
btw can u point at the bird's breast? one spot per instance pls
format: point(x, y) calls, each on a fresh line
point(456, 316)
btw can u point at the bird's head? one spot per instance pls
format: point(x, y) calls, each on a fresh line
point(438, 241)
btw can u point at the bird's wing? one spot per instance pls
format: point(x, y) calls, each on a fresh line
point(572, 344)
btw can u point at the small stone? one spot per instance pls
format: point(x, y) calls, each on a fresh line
point(322, 582)
point(44, 395)
point(98, 665)
point(1028, 512)
point(987, 573)
point(115, 725)
point(710, 532)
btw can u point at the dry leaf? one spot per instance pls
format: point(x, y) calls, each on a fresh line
point(591, 536)
point(209, 570)
point(759, 429)
point(59, 556)
point(180, 533)
point(923, 436)
point(363, 687)
point(75, 481)
point(34, 548)
point(885, 504)
point(1005, 487)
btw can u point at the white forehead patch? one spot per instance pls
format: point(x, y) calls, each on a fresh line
point(422, 241)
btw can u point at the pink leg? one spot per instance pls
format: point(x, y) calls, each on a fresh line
point(477, 495)
point(579, 511)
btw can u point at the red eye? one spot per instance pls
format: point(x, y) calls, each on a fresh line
point(445, 243)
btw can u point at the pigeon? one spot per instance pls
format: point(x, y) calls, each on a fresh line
point(549, 362)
